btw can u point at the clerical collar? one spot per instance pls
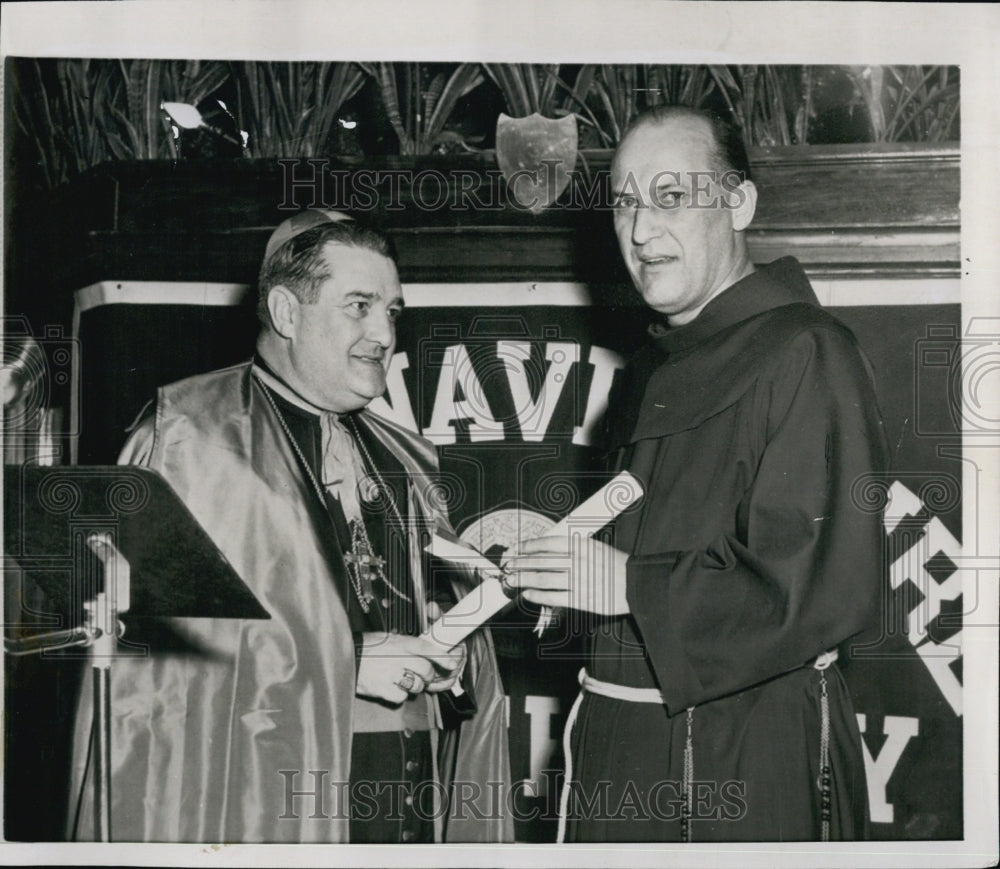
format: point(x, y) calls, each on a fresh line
point(779, 283)
point(272, 381)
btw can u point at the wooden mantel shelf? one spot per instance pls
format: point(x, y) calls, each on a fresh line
point(842, 210)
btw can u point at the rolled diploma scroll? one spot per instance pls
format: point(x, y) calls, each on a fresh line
point(612, 499)
point(478, 606)
point(488, 598)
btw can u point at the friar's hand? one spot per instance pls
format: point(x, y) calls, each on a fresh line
point(585, 574)
point(394, 666)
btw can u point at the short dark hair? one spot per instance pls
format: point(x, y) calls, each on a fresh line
point(298, 264)
point(729, 153)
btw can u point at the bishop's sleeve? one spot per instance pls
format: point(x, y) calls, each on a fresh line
point(801, 573)
point(138, 449)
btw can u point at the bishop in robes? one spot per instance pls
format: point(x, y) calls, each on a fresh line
point(333, 721)
point(712, 707)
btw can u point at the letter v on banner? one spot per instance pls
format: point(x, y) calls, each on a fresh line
point(534, 417)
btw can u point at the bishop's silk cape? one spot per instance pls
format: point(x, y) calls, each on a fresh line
point(215, 726)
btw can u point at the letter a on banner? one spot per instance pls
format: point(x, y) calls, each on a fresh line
point(459, 398)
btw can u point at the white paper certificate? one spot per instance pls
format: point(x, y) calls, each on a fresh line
point(489, 597)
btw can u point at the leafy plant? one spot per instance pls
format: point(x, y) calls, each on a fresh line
point(78, 113)
point(55, 110)
point(622, 92)
point(616, 91)
point(528, 88)
point(144, 131)
point(289, 109)
point(768, 102)
point(418, 115)
point(763, 100)
point(915, 103)
point(774, 105)
point(677, 85)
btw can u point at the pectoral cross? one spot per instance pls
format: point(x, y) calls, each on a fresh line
point(366, 568)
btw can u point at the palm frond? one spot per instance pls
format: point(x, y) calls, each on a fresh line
point(460, 83)
point(289, 108)
point(529, 87)
point(419, 116)
point(390, 97)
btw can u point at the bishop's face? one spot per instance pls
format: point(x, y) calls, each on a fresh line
point(341, 344)
point(676, 222)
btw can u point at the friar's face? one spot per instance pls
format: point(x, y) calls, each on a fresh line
point(341, 344)
point(675, 218)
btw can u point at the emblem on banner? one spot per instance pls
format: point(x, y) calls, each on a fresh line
point(497, 534)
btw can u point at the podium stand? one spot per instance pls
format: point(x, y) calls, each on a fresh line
point(102, 542)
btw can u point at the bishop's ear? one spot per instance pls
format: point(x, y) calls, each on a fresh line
point(283, 309)
point(742, 202)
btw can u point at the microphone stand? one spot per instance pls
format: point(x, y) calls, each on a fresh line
point(100, 632)
point(157, 562)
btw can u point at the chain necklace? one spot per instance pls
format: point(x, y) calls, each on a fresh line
point(379, 481)
point(363, 566)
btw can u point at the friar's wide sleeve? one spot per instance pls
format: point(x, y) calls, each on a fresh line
point(802, 572)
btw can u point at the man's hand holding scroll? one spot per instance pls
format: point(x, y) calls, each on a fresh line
point(581, 573)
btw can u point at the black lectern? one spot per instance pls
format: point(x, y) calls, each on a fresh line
point(101, 542)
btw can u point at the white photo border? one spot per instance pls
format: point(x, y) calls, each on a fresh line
point(627, 31)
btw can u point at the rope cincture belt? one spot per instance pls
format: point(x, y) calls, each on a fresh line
point(588, 684)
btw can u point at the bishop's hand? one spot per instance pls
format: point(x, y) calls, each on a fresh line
point(445, 679)
point(394, 666)
point(581, 573)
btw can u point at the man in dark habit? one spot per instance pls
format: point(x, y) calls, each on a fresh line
point(711, 701)
point(328, 722)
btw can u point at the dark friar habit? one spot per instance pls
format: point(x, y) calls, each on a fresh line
point(203, 726)
point(750, 556)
